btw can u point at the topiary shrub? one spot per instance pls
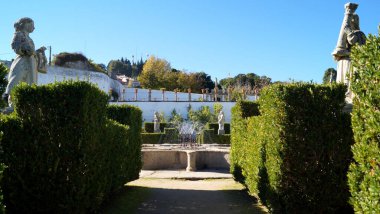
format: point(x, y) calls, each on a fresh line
point(364, 174)
point(171, 135)
point(215, 127)
point(3, 82)
point(208, 136)
point(149, 127)
point(2, 208)
point(306, 139)
point(152, 138)
point(132, 117)
point(245, 157)
point(62, 153)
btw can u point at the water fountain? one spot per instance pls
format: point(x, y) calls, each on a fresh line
point(181, 150)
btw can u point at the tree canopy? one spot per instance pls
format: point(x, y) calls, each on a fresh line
point(157, 73)
point(329, 75)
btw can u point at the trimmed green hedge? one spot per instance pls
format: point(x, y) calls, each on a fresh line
point(149, 127)
point(152, 138)
point(297, 150)
point(171, 135)
point(132, 117)
point(215, 127)
point(208, 136)
point(2, 208)
point(243, 145)
point(62, 153)
point(364, 175)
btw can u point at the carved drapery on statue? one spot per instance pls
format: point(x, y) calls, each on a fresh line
point(28, 61)
point(349, 35)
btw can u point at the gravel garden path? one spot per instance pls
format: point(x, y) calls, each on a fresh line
point(167, 195)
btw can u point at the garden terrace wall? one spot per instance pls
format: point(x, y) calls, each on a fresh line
point(62, 153)
point(297, 150)
point(364, 175)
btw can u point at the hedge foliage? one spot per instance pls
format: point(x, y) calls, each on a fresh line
point(62, 153)
point(297, 151)
point(149, 127)
point(130, 116)
point(152, 138)
point(215, 127)
point(2, 208)
point(245, 151)
point(3, 81)
point(364, 174)
point(208, 136)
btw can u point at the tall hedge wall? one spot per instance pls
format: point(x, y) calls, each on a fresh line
point(364, 175)
point(62, 153)
point(132, 117)
point(298, 150)
point(241, 141)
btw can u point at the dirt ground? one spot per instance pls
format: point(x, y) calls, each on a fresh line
point(194, 196)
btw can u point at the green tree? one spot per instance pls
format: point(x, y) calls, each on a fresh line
point(117, 67)
point(204, 80)
point(153, 73)
point(330, 75)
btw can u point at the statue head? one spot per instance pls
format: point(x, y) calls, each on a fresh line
point(350, 8)
point(24, 24)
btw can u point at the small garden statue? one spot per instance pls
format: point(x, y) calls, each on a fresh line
point(41, 60)
point(221, 123)
point(24, 66)
point(156, 121)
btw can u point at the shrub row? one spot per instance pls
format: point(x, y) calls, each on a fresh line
point(297, 150)
point(364, 174)
point(170, 135)
point(215, 127)
point(208, 136)
point(149, 127)
point(132, 117)
point(152, 138)
point(2, 208)
point(62, 153)
point(243, 148)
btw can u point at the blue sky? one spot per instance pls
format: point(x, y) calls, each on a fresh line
point(282, 39)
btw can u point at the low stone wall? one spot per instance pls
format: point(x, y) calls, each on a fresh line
point(163, 159)
point(160, 159)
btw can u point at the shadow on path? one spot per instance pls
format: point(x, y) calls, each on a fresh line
point(153, 199)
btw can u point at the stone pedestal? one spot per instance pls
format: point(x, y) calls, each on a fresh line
point(221, 131)
point(343, 76)
point(342, 69)
point(191, 161)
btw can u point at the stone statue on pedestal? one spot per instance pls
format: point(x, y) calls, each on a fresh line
point(221, 123)
point(41, 60)
point(24, 66)
point(156, 121)
point(349, 35)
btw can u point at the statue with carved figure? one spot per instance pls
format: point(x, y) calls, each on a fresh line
point(349, 35)
point(221, 121)
point(28, 61)
point(156, 122)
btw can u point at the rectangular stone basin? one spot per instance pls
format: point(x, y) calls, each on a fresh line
point(158, 159)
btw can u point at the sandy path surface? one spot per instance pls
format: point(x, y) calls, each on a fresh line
point(200, 196)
